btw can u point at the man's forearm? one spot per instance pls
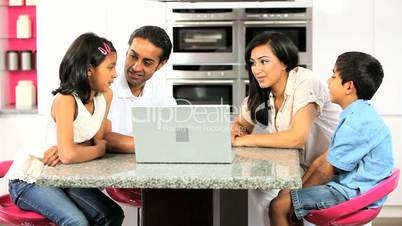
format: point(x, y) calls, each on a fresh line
point(119, 143)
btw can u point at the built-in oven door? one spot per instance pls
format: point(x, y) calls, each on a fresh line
point(297, 31)
point(203, 92)
point(246, 86)
point(203, 71)
point(204, 42)
point(295, 23)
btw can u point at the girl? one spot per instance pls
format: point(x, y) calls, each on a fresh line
point(76, 126)
point(289, 102)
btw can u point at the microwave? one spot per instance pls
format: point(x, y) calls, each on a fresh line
point(204, 36)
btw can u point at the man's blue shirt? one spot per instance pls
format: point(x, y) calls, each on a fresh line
point(361, 150)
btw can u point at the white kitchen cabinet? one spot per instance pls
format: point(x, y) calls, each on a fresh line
point(58, 24)
point(374, 27)
point(387, 47)
point(340, 26)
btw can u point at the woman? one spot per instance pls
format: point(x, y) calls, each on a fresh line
point(289, 102)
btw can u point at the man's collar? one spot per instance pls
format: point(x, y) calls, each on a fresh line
point(123, 90)
point(121, 87)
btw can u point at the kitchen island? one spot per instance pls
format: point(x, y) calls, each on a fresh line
point(182, 194)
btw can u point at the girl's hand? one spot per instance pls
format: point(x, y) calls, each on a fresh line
point(51, 157)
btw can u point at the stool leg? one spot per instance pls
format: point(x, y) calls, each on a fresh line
point(138, 217)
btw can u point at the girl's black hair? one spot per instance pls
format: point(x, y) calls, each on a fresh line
point(286, 51)
point(88, 49)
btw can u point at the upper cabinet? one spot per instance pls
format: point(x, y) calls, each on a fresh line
point(340, 26)
point(371, 26)
point(387, 39)
point(18, 80)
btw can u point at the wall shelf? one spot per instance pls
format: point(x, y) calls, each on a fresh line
point(9, 41)
point(11, 109)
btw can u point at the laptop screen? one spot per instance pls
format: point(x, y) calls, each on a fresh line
point(182, 134)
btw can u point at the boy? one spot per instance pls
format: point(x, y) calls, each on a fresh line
point(360, 153)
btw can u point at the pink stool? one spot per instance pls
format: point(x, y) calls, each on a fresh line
point(353, 211)
point(10, 214)
point(128, 196)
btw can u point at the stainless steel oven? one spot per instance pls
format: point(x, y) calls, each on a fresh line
point(206, 84)
point(294, 22)
point(204, 35)
point(203, 91)
point(207, 64)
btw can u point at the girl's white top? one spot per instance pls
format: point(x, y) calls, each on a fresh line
point(28, 164)
point(302, 88)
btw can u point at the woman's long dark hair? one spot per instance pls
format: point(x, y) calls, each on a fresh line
point(286, 51)
point(88, 49)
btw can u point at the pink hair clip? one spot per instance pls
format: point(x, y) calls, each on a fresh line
point(105, 49)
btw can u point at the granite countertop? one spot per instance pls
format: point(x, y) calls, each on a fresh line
point(252, 168)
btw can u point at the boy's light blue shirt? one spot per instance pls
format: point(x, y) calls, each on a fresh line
point(361, 150)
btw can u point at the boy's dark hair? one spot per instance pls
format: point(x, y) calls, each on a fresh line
point(86, 50)
point(287, 53)
point(363, 69)
point(156, 36)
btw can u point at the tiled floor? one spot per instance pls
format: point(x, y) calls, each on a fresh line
point(387, 222)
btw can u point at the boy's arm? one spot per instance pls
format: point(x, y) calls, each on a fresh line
point(314, 165)
point(320, 172)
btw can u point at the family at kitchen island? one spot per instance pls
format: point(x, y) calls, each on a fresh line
point(343, 153)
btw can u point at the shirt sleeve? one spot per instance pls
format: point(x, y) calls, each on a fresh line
point(349, 146)
point(245, 112)
point(310, 90)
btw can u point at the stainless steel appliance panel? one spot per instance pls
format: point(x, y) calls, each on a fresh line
point(203, 71)
point(204, 42)
point(203, 91)
point(204, 35)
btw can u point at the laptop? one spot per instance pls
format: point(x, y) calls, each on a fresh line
point(182, 134)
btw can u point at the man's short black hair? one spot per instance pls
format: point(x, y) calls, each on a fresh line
point(156, 36)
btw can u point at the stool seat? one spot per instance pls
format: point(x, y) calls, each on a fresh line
point(128, 196)
point(355, 211)
point(10, 214)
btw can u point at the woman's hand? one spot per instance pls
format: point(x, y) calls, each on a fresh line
point(237, 130)
point(51, 157)
point(237, 141)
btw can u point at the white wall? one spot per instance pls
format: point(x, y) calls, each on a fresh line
point(374, 27)
point(60, 22)
point(14, 129)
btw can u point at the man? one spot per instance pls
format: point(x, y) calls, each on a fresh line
point(149, 49)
